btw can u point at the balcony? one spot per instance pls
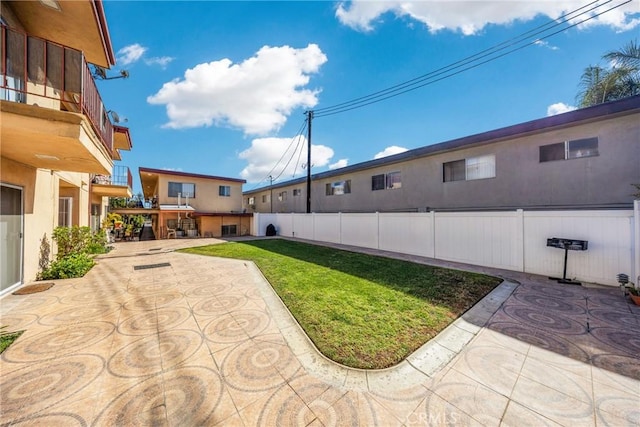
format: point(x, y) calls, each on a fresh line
point(117, 185)
point(52, 113)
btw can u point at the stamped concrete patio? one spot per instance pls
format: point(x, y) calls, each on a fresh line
point(155, 337)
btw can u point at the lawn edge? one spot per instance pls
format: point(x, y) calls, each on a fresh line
point(417, 367)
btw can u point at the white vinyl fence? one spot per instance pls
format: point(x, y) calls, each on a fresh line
point(513, 240)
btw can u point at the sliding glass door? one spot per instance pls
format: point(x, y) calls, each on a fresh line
point(11, 223)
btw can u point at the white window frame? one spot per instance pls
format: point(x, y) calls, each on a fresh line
point(65, 218)
point(477, 167)
point(338, 188)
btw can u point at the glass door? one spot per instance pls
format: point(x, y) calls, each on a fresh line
point(10, 236)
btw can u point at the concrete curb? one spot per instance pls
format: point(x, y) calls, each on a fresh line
point(415, 369)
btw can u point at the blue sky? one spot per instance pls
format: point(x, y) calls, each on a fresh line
point(220, 88)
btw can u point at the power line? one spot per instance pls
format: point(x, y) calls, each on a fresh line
point(299, 155)
point(300, 130)
point(298, 137)
point(468, 62)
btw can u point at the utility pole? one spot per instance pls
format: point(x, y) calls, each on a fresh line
point(309, 118)
point(271, 195)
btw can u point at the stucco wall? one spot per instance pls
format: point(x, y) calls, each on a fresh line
point(207, 198)
point(41, 190)
point(521, 180)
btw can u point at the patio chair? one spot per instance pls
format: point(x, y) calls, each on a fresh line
point(171, 232)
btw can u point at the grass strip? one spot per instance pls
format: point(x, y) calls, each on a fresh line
point(360, 310)
point(7, 338)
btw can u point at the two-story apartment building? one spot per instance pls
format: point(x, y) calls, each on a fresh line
point(194, 205)
point(56, 135)
point(583, 159)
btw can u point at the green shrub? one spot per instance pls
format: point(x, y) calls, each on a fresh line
point(71, 240)
point(74, 265)
point(97, 243)
point(75, 240)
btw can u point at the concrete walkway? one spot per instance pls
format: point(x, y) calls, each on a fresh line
point(154, 337)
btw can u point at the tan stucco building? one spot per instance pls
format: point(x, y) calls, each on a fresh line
point(192, 205)
point(58, 144)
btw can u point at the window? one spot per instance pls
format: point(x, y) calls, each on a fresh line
point(480, 167)
point(391, 180)
point(224, 191)
point(282, 197)
point(182, 188)
point(377, 182)
point(551, 152)
point(338, 188)
point(454, 171)
point(64, 211)
point(266, 198)
point(297, 192)
point(251, 201)
point(229, 230)
point(394, 180)
point(586, 147)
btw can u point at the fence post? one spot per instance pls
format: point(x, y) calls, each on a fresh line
point(378, 231)
point(256, 224)
point(313, 225)
point(520, 238)
point(432, 214)
point(636, 242)
point(340, 226)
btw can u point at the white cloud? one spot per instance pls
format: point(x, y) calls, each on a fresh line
point(470, 17)
point(256, 95)
point(339, 164)
point(136, 52)
point(559, 108)
point(162, 61)
point(265, 153)
point(543, 43)
point(130, 54)
point(390, 151)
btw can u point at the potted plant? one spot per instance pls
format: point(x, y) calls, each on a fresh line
point(634, 293)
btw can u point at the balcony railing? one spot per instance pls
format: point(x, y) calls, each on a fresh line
point(40, 72)
point(121, 176)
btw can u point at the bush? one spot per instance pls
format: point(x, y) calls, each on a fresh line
point(75, 240)
point(75, 247)
point(71, 240)
point(74, 265)
point(97, 243)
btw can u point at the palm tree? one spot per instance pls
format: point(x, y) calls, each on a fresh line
point(628, 56)
point(619, 80)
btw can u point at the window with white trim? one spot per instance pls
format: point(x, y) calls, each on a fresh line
point(338, 188)
point(392, 180)
point(224, 191)
point(575, 149)
point(282, 197)
point(472, 168)
point(185, 189)
point(65, 205)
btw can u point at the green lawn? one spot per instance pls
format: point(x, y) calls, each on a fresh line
point(360, 310)
point(7, 338)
